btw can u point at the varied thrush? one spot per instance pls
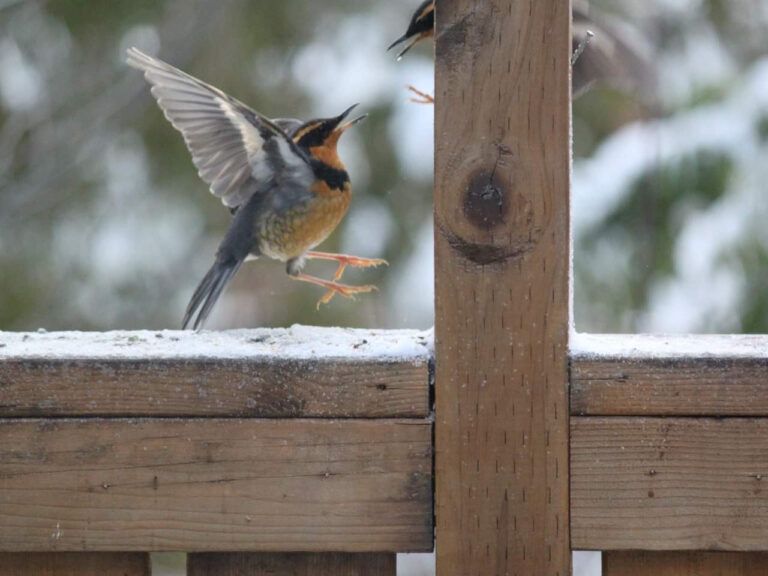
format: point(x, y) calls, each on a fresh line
point(606, 59)
point(422, 25)
point(282, 180)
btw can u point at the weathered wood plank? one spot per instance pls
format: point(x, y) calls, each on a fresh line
point(291, 564)
point(669, 484)
point(215, 485)
point(684, 564)
point(620, 375)
point(301, 372)
point(74, 564)
point(502, 165)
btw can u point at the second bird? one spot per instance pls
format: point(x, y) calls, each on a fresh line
point(282, 179)
point(608, 59)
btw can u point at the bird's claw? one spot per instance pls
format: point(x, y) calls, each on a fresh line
point(421, 97)
point(346, 291)
point(345, 260)
point(357, 262)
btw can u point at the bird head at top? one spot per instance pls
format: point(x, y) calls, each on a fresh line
point(422, 25)
point(325, 132)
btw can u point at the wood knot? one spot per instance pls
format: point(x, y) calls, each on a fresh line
point(485, 201)
point(484, 216)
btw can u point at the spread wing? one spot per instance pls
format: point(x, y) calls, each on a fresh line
point(236, 150)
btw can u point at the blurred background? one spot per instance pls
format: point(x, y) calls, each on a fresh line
point(104, 223)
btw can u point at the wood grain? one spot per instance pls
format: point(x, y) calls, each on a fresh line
point(291, 564)
point(266, 388)
point(669, 484)
point(215, 485)
point(671, 376)
point(74, 564)
point(502, 165)
point(684, 564)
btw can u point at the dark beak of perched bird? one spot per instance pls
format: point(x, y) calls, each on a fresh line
point(422, 25)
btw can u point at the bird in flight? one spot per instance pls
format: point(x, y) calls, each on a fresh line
point(282, 180)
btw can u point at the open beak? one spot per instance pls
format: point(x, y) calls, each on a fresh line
point(400, 40)
point(410, 45)
point(342, 126)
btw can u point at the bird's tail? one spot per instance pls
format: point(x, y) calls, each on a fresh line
point(209, 290)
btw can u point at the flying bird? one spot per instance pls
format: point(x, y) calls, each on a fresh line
point(282, 180)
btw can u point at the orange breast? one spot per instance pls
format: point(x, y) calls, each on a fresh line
point(327, 211)
point(292, 234)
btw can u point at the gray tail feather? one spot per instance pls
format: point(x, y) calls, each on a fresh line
point(208, 291)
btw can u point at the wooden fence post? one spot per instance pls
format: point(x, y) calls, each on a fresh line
point(502, 300)
point(74, 564)
point(291, 564)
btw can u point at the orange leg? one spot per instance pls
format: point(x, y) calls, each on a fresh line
point(345, 260)
point(334, 288)
point(421, 97)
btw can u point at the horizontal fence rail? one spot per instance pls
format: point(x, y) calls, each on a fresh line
point(320, 440)
point(298, 440)
point(669, 483)
point(669, 448)
point(297, 372)
point(643, 375)
point(221, 485)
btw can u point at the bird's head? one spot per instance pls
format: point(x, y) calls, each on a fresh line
point(422, 25)
point(325, 132)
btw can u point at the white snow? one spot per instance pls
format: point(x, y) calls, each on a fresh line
point(707, 288)
point(727, 126)
point(636, 346)
point(295, 343)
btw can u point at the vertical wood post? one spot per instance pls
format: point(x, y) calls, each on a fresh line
point(74, 564)
point(291, 564)
point(502, 300)
point(684, 564)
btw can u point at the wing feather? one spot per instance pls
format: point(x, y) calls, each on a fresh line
point(234, 148)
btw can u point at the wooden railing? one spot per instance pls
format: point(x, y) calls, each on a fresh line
point(669, 452)
point(300, 440)
point(309, 451)
point(320, 441)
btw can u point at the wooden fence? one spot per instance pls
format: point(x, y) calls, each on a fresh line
point(303, 440)
point(310, 451)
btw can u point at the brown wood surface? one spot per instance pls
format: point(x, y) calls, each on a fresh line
point(501, 240)
point(74, 564)
point(669, 483)
point(671, 376)
point(260, 387)
point(291, 564)
point(215, 485)
point(684, 564)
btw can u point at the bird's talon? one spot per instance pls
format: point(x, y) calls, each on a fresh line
point(333, 288)
point(421, 97)
point(345, 260)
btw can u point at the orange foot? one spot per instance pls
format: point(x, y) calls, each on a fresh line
point(334, 288)
point(421, 97)
point(345, 260)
